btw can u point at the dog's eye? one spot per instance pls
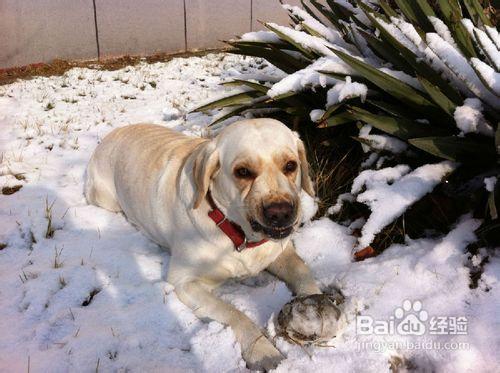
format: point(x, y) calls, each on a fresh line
point(243, 173)
point(290, 167)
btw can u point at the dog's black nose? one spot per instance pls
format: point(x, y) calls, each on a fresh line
point(279, 214)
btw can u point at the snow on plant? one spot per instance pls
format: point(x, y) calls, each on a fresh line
point(345, 90)
point(489, 183)
point(382, 143)
point(424, 75)
point(487, 74)
point(470, 119)
point(388, 201)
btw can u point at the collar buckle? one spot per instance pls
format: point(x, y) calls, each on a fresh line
point(243, 246)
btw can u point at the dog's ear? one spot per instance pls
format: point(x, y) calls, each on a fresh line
point(305, 181)
point(206, 164)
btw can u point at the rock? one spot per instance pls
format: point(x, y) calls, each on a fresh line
point(171, 113)
point(312, 319)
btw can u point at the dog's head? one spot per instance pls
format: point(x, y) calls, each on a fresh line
point(255, 170)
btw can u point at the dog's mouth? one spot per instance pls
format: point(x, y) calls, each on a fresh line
point(275, 233)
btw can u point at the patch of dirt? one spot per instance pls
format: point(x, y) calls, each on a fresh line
point(90, 297)
point(11, 190)
point(59, 67)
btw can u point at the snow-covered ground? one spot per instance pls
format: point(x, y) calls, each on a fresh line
point(82, 290)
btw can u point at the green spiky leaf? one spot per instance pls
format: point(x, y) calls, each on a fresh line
point(452, 16)
point(230, 114)
point(237, 99)
point(394, 110)
point(491, 58)
point(388, 10)
point(329, 112)
point(309, 11)
point(387, 52)
point(425, 8)
point(455, 148)
point(438, 97)
point(337, 119)
point(307, 53)
point(391, 85)
point(476, 13)
point(255, 86)
point(413, 12)
point(276, 56)
point(403, 128)
point(416, 64)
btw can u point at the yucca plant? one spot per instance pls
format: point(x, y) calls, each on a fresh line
point(423, 74)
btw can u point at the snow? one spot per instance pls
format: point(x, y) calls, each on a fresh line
point(443, 30)
point(431, 271)
point(307, 41)
point(363, 46)
point(309, 206)
point(311, 76)
point(390, 191)
point(422, 50)
point(488, 75)
point(372, 158)
point(261, 36)
point(370, 178)
point(378, 143)
point(330, 34)
point(460, 66)
point(469, 118)
point(488, 47)
point(171, 113)
point(316, 114)
point(311, 42)
point(409, 32)
point(345, 90)
point(335, 209)
point(385, 142)
point(404, 33)
point(489, 183)
point(92, 295)
point(300, 80)
point(404, 77)
point(493, 34)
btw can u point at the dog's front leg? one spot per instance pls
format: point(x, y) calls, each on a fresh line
point(257, 350)
point(290, 268)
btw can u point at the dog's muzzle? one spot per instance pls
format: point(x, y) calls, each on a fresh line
point(279, 219)
point(275, 233)
point(279, 214)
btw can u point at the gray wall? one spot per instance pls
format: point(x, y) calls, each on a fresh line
point(34, 31)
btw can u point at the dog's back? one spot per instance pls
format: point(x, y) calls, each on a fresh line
point(131, 159)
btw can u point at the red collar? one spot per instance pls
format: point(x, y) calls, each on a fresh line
point(230, 229)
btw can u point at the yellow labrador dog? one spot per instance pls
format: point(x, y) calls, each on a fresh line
point(224, 207)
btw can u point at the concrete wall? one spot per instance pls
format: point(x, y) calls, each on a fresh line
point(34, 31)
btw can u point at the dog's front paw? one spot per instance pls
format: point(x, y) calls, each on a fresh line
point(262, 355)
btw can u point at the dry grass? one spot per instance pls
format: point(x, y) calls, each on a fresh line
point(57, 257)
point(335, 161)
point(331, 177)
point(59, 67)
point(49, 232)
